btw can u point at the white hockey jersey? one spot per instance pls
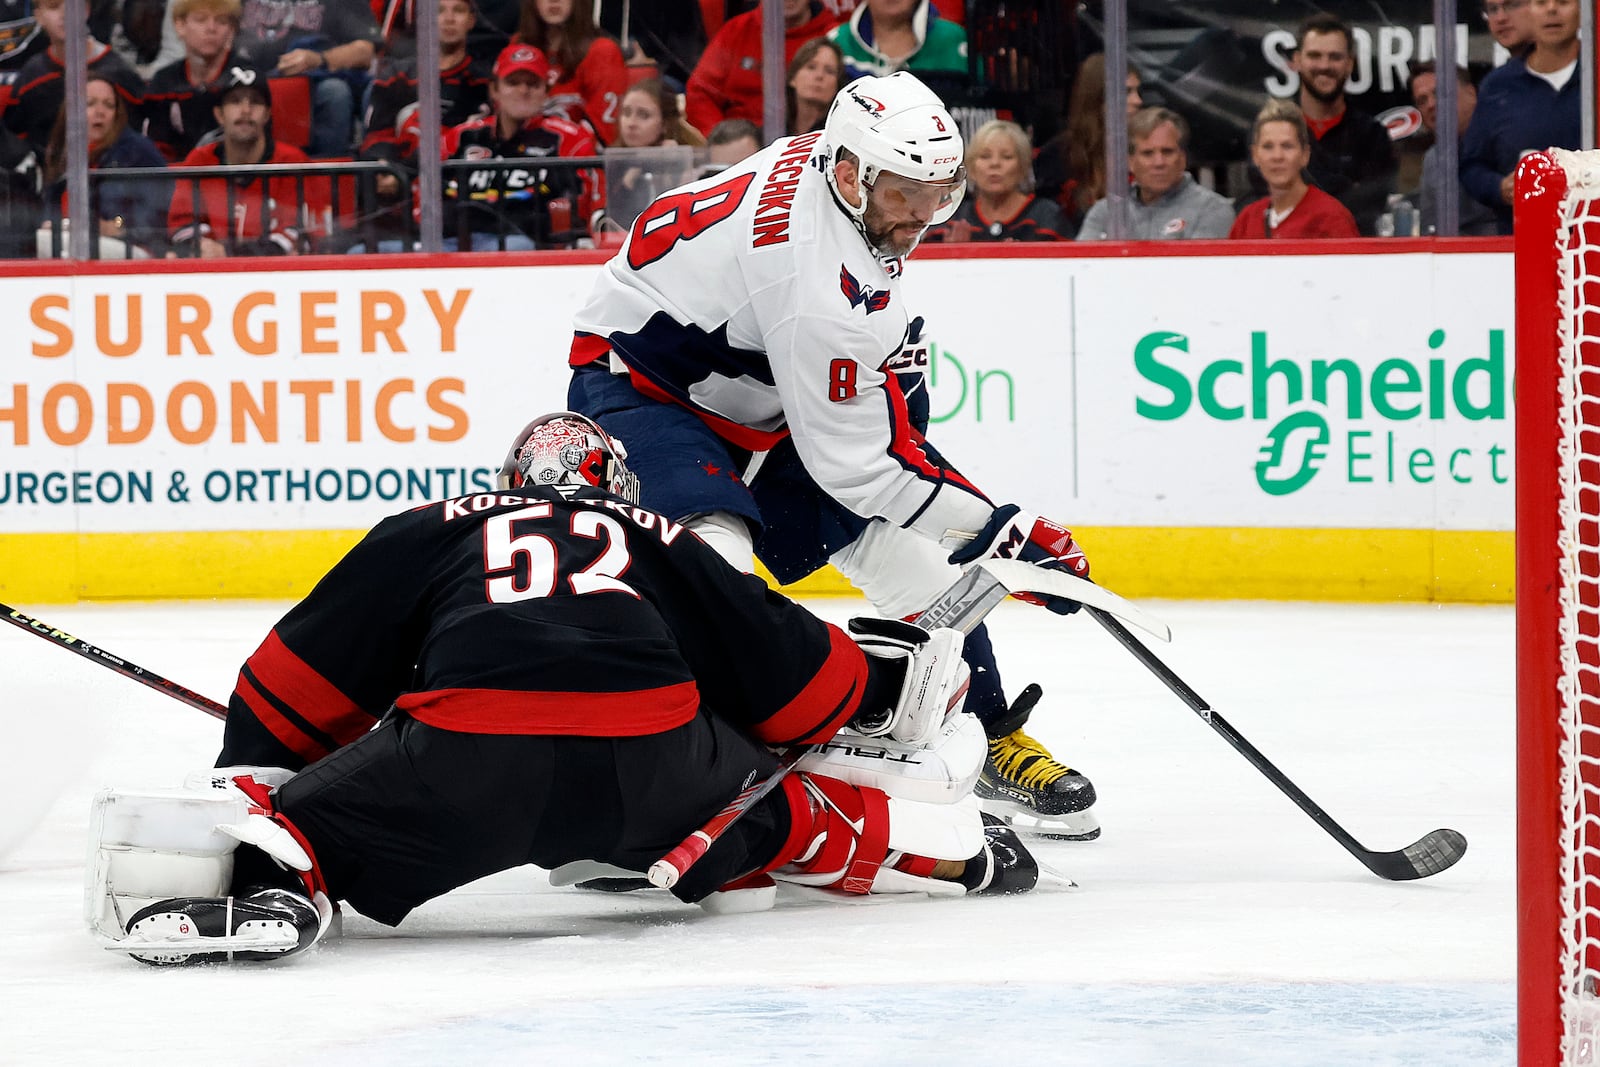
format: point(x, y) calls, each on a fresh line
point(751, 298)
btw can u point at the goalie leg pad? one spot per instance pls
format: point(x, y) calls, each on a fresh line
point(859, 840)
point(147, 846)
point(941, 772)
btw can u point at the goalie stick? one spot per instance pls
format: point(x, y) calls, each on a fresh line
point(95, 654)
point(960, 607)
point(1435, 851)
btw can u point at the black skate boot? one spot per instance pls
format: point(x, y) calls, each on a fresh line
point(263, 923)
point(1027, 788)
point(1003, 867)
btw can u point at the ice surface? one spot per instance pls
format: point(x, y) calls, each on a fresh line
point(1215, 923)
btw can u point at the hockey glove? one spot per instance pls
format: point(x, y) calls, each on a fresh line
point(932, 678)
point(1012, 533)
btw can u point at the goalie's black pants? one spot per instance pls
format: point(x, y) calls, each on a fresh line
point(410, 812)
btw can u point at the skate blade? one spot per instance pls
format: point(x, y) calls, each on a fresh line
point(1057, 874)
point(185, 946)
point(1074, 826)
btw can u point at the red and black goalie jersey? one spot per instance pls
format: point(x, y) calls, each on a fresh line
point(522, 612)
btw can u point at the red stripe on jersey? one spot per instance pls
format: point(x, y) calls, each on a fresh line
point(587, 348)
point(907, 443)
point(510, 711)
point(293, 737)
point(826, 703)
point(734, 433)
point(296, 683)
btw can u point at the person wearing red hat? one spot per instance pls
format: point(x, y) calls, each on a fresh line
point(588, 74)
point(518, 208)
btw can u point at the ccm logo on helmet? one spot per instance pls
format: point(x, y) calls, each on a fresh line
point(944, 159)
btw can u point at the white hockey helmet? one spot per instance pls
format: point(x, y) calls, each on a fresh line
point(565, 450)
point(899, 125)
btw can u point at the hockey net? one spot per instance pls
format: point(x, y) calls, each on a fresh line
point(1558, 607)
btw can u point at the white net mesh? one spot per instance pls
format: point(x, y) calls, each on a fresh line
point(1578, 345)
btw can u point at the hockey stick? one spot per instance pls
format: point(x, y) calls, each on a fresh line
point(95, 654)
point(961, 607)
point(1435, 851)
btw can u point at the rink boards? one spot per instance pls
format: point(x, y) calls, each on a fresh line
point(1214, 421)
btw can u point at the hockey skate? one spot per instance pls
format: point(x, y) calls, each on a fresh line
point(1027, 788)
point(1003, 867)
point(261, 924)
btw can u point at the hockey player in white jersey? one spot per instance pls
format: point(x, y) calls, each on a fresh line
point(745, 339)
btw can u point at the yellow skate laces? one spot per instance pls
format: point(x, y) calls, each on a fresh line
point(1025, 761)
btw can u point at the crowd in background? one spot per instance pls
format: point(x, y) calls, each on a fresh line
point(678, 90)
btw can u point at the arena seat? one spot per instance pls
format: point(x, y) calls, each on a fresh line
point(291, 110)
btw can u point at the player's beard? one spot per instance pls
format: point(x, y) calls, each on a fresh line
point(889, 239)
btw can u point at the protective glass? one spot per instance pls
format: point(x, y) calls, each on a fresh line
point(936, 201)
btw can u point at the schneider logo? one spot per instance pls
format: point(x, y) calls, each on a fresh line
point(1294, 452)
point(1303, 402)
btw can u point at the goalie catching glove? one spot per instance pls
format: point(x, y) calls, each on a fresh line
point(932, 678)
point(1012, 533)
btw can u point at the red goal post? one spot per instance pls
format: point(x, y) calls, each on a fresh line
point(1557, 207)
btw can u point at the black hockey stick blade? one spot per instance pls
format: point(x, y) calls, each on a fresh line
point(94, 654)
point(1428, 855)
point(1435, 851)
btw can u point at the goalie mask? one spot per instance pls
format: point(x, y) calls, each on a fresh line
point(567, 451)
point(906, 145)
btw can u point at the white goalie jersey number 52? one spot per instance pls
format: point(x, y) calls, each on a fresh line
point(532, 557)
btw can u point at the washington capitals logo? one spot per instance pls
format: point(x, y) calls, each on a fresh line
point(867, 103)
point(858, 294)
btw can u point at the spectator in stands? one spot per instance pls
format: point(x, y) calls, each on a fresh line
point(726, 83)
point(816, 74)
point(1071, 168)
point(1167, 203)
point(1280, 148)
point(211, 221)
point(1000, 204)
point(180, 106)
point(1533, 102)
point(731, 141)
point(1473, 219)
point(650, 123)
point(37, 95)
point(1351, 155)
point(21, 37)
point(518, 208)
point(331, 42)
point(884, 36)
point(1510, 23)
point(132, 213)
point(394, 125)
point(20, 40)
point(650, 117)
point(588, 73)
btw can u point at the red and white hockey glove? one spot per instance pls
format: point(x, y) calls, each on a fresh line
point(1012, 533)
